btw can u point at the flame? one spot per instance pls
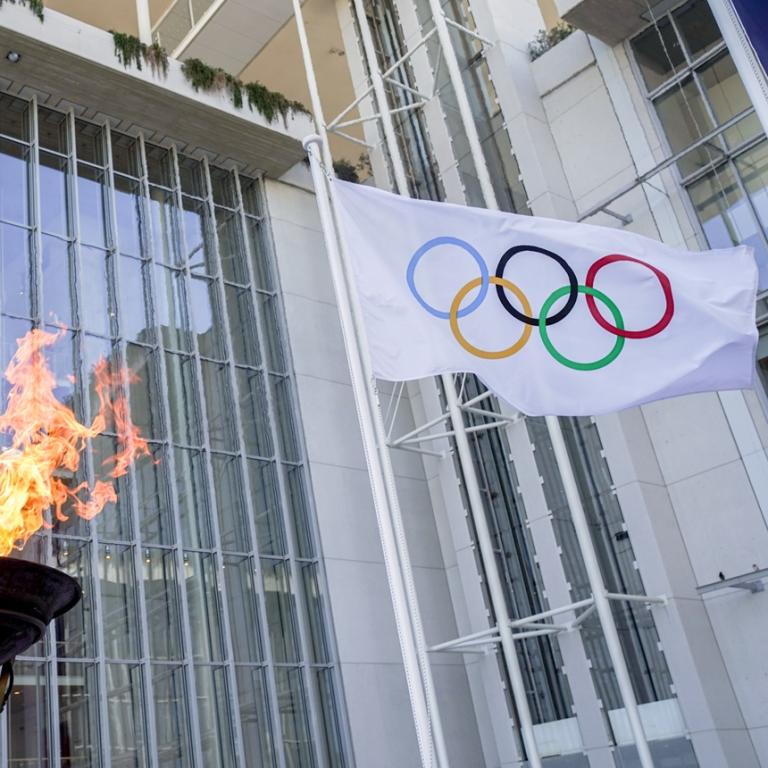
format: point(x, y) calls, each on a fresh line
point(47, 443)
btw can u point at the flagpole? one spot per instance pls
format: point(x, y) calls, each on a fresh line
point(427, 721)
point(456, 416)
point(578, 515)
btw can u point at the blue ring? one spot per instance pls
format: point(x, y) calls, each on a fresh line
point(428, 246)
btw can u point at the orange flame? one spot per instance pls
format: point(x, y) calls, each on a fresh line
point(47, 441)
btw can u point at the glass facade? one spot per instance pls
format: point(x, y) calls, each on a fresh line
point(203, 637)
point(708, 120)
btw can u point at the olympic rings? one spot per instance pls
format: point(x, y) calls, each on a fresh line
point(592, 293)
point(564, 312)
point(476, 351)
point(543, 321)
point(669, 309)
point(472, 252)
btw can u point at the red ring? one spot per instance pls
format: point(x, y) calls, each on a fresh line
point(665, 286)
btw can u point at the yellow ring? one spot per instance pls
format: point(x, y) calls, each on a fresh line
point(502, 353)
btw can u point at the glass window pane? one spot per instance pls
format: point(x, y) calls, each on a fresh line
point(299, 509)
point(15, 270)
point(14, 183)
point(281, 610)
point(218, 397)
point(14, 117)
point(725, 214)
point(129, 215)
point(286, 426)
point(89, 140)
point(198, 237)
point(192, 176)
point(162, 215)
point(28, 729)
point(698, 27)
point(115, 521)
point(215, 717)
point(171, 308)
point(74, 630)
point(203, 603)
point(135, 320)
point(728, 98)
point(182, 399)
point(230, 503)
point(231, 247)
point(144, 400)
point(78, 714)
point(329, 712)
point(162, 603)
point(314, 602)
point(270, 327)
point(52, 129)
point(125, 709)
point(57, 281)
point(243, 603)
point(159, 165)
point(223, 187)
point(262, 269)
point(152, 496)
point(294, 721)
point(658, 53)
point(254, 412)
point(266, 507)
point(207, 318)
point(251, 197)
point(174, 745)
point(685, 119)
point(91, 192)
point(125, 154)
point(192, 496)
point(255, 719)
point(95, 296)
point(118, 621)
point(753, 169)
point(54, 194)
point(242, 325)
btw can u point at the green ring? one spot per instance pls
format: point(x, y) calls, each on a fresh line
point(618, 321)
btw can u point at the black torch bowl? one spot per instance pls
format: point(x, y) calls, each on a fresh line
point(31, 596)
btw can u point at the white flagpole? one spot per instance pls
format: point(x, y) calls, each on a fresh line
point(413, 645)
point(144, 21)
point(463, 449)
point(581, 525)
point(740, 48)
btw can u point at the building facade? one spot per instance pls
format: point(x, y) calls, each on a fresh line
point(236, 608)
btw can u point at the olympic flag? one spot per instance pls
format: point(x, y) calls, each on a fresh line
point(555, 317)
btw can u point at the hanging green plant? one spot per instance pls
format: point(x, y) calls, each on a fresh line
point(270, 104)
point(130, 51)
point(36, 6)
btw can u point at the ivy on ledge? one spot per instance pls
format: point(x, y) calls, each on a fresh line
point(270, 104)
point(36, 6)
point(131, 51)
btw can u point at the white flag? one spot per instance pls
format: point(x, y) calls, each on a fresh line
point(554, 317)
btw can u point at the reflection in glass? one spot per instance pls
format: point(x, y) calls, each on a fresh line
point(28, 716)
point(89, 141)
point(15, 270)
point(314, 608)
point(197, 236)
point(96, 299)
point(135, 320)
point(145, 405)
point(161, 603)
point(57, 281)
point(231, 248)
point(698, 27)
point(152, 493)
point(54, 194)
point(329, 711)
point(74, 630)
point(242, 600)
point(171, 308)
point(294, 721)
point(658, 53)
point(242, 325)
point(299, 509)
point(267, 308)
point(182, 399)
point(207, 318)
point(162, 218)
point(125, 151)
point(281, 610)
point(230, 503)
point(78, 714)
point(129, 215)
point(114, 522)
point(174, 747)
point(51, 130)
point(119, 622)
point(91, 192)
point(266, 507)
point(127, 738)
point(218, 399)
point(194, 509)
point(255, 720)
point(214, 717)
point(262, 269)
point(253, 412)
point(14, 117)
point(14, 185)
point(203, 602)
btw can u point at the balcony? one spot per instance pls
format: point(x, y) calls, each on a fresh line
point(611, 21)
point(224, 33)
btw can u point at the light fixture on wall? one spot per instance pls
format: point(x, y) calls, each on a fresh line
point(13, 56)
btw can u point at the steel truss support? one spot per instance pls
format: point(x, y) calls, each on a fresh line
point(378, 440)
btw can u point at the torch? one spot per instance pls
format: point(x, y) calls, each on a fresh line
point(46, 445)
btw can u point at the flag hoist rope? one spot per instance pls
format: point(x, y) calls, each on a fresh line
point(389, 518)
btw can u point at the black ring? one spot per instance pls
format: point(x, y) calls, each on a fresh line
point(572, 296)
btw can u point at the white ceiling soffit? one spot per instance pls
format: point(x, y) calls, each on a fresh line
point(232, 32)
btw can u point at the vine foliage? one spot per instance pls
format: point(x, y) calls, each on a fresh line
point(130, 51)
point(270, 104)
point(36, 6)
